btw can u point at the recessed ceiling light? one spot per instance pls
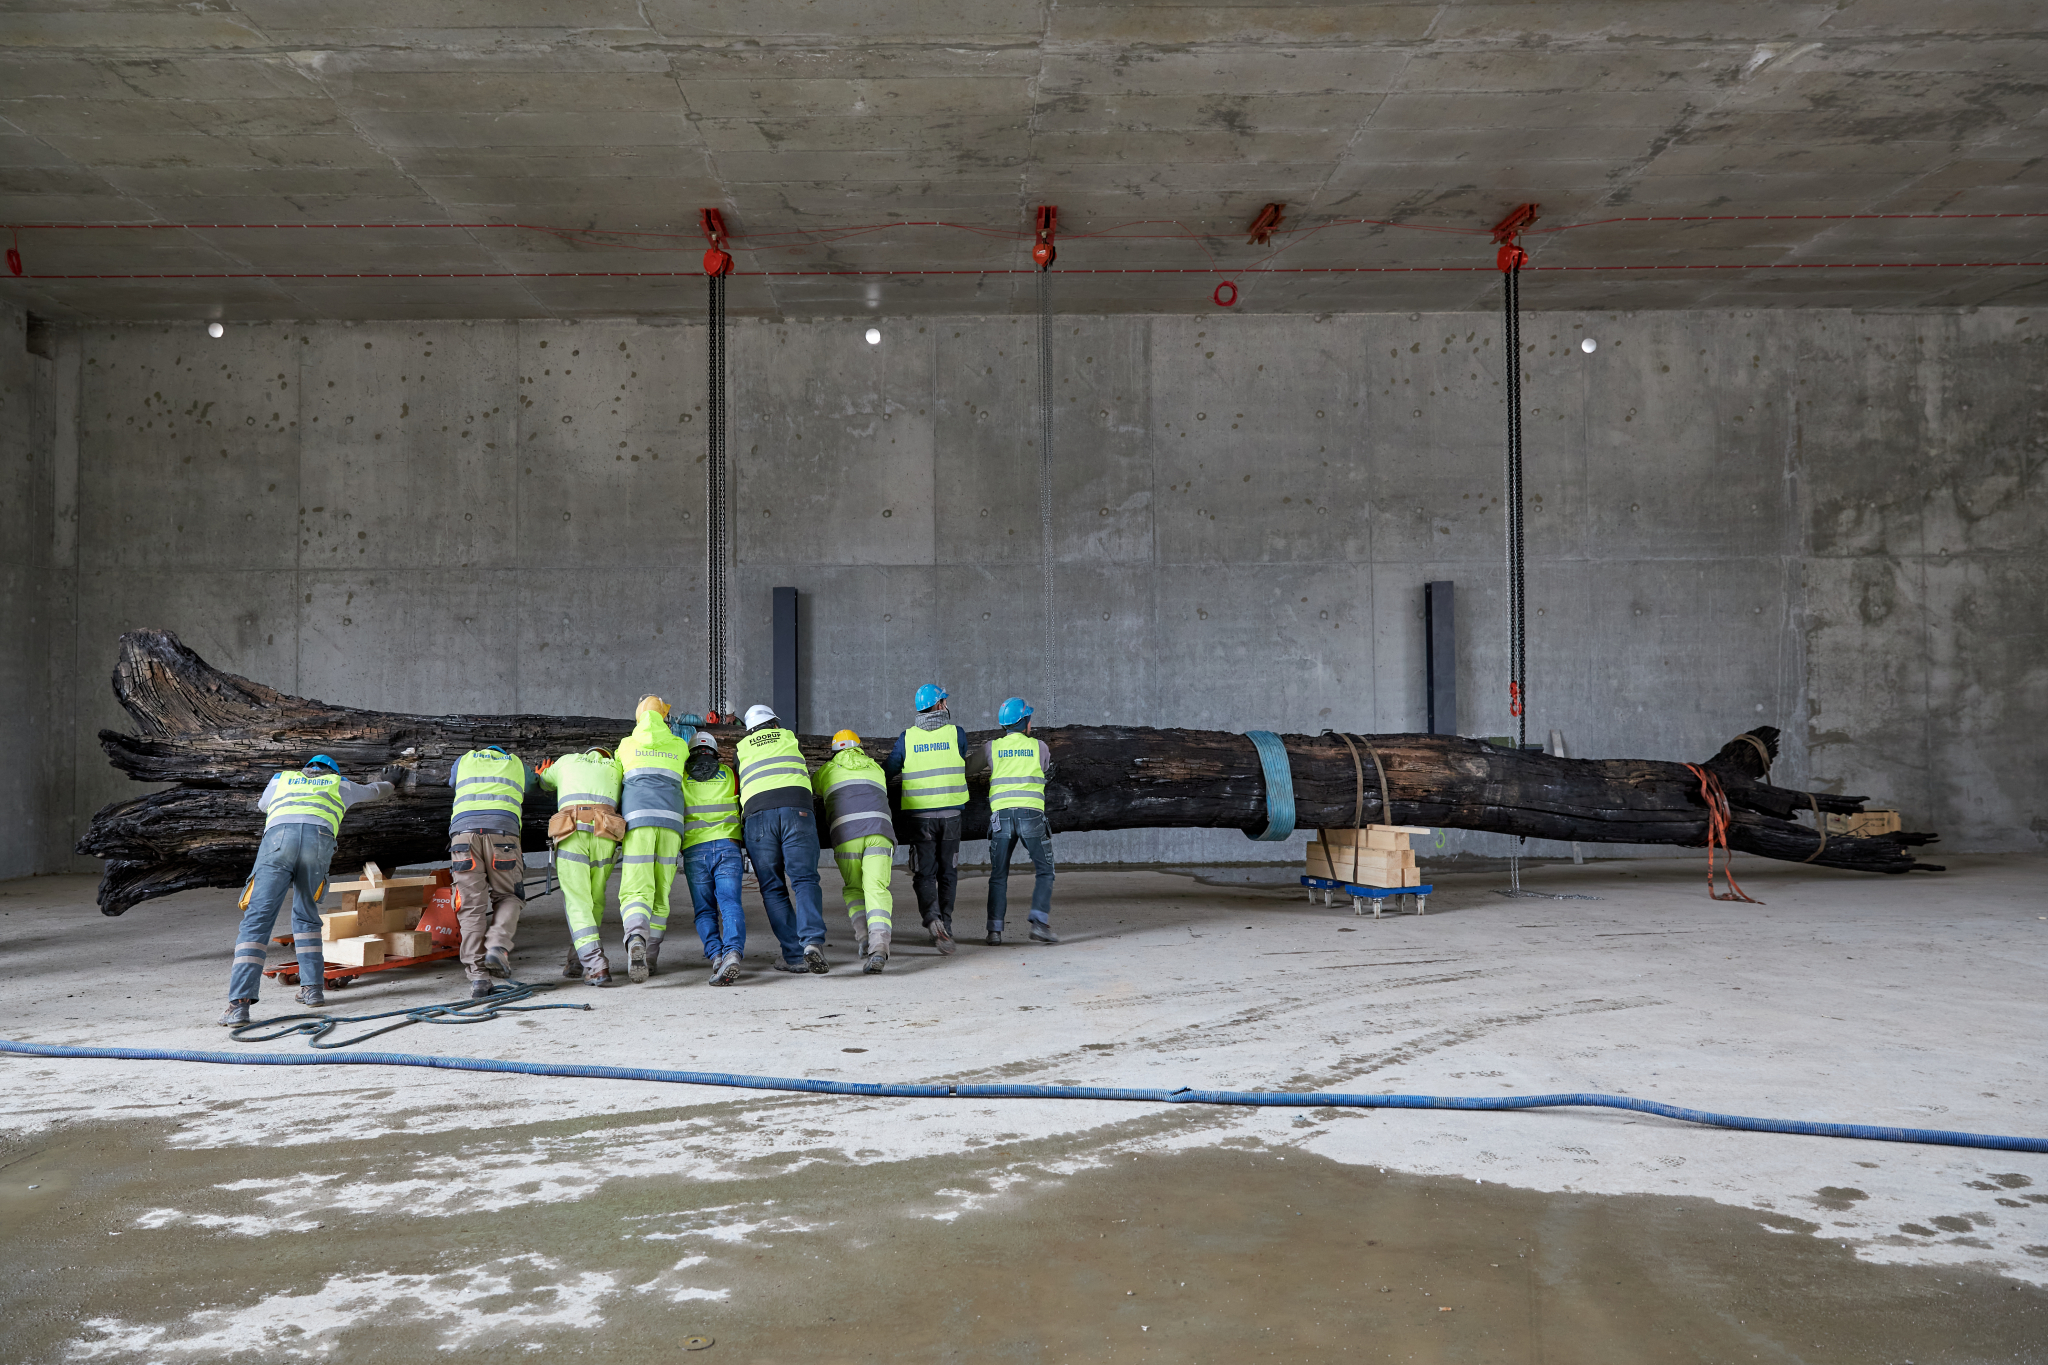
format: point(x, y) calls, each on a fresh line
point(874, 336)
point(214, 329)
point(1589, 345)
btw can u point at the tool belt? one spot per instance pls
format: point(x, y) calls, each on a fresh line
point(602, 821)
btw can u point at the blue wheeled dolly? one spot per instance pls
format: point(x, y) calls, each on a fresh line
point(1361, 894)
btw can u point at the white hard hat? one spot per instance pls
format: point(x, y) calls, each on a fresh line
point(704, 739)
point(760, 715)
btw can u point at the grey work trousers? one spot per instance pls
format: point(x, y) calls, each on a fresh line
point(489, 871)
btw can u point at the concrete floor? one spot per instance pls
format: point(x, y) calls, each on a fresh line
point(178, 1212)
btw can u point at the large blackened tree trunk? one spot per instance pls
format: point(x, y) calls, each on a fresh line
point(216, 739)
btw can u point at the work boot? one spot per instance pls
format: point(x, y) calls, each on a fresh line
point(873, 963)
point(727, 971)
point(481, 988)
point(860, 945)
point(942, 937)
point(1042, 933)
point(497, 962)
point(311, 995)
point(573, 968)
point(654, 957)
point(995, 936)
point(799, 968)
point(814, 959)
point(636, 958)
point(237, 1013)
point(603, 978)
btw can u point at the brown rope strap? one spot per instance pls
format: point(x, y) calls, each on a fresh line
point(1819, 824)
point(1357, 773)
point(1386, 796)
point(1761, 752)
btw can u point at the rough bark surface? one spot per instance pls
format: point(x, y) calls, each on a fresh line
point(216, 739)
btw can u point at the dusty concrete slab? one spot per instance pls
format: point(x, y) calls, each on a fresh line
point(1869, 1000)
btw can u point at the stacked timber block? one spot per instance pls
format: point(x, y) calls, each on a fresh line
point(1376, 856)
point(377, 919)
point(1863, 824)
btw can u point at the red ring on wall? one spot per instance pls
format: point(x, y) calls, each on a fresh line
point(1222, 302)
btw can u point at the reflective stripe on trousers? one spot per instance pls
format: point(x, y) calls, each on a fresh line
point(647, 875)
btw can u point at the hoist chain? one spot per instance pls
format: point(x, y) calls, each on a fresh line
point(717, 504)
point(1518, 680)
point(1049, 700)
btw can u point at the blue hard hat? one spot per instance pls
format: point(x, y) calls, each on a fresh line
point(930, 695)
point(1012, 711)
point(322, 760)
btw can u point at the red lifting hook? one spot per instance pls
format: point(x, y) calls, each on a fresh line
point(717, 261)
point(1048, 224)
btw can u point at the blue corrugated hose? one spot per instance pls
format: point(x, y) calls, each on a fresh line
point(1928, 1136)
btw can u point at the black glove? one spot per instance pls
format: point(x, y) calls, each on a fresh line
point(397, 774)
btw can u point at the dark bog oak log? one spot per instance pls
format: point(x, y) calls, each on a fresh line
point(216, 739)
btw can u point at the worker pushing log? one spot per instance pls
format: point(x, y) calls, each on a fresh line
point(216, 739)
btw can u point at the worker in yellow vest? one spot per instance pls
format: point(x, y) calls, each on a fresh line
point(855, 793)
point(711, 856)
point(486, 860)
point(585, 832)
point(1017, 765)
point(302, 811)
point(930, 759)
point(782, 839)
point(651, 759)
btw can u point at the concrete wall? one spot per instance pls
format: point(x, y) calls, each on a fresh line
point(1821, 520)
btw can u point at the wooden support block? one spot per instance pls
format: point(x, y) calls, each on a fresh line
point(363, 950)
point(369, 915)
point(338, 926)
point(1387, 857)
point(1863, 824)
point(389, 884)
point(1373, 836)
point(408, 944)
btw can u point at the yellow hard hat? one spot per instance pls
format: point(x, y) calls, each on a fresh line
point(650, 703)
point(845, 739)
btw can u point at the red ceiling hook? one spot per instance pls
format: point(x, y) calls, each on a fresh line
point(1042, 250)
point(1508, 233)
point(1265, 225)
point(717, 260)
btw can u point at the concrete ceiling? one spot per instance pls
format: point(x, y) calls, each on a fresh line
point(794, 116)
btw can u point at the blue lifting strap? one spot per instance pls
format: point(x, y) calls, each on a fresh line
point(1279, 786)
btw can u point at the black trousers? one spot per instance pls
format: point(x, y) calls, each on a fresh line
point(935, 864)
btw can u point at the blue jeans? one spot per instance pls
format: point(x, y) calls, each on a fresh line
point(713, 871)
point(1008, 828)
point(291, 861)
point(783, 843)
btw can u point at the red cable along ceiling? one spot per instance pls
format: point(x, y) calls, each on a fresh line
point(802, 238)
